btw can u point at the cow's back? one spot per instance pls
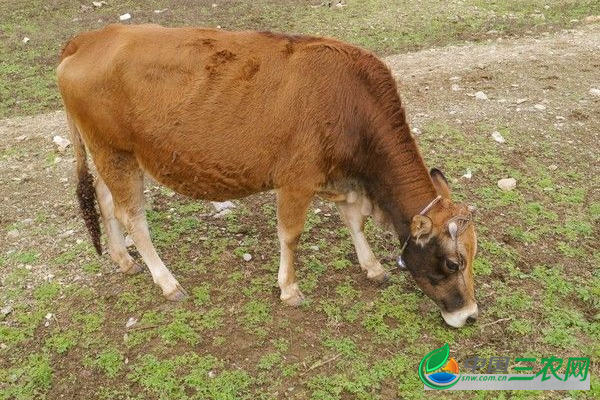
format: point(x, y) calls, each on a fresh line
point(242, 109)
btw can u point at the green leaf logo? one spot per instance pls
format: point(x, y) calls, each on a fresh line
point(437, 358)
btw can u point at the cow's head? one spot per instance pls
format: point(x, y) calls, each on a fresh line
point(440, 254)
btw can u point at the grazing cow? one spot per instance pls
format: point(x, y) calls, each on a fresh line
point(218, 115)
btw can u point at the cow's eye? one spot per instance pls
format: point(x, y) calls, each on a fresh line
point(452, 266)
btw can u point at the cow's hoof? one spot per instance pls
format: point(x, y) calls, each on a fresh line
point(295, 299)
point(134, 268)
point(178, 294)
point(382, 277)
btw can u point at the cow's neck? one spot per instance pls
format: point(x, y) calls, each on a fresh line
point(400, 182)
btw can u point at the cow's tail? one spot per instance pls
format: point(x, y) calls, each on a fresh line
point(86, 194)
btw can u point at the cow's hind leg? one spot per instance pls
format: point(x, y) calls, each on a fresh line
point(114, 231)
point(355, 221)
point(124, 178)
point(292, 206)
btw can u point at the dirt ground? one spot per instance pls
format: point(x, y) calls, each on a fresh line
point(538, 283)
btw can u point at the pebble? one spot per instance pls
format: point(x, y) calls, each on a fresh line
point(224, 205)
point(314, 248)
point(481, 96)
point(553, 167)
point(247, 256)
point(468, 174)
point(26, 39)
point(3, 346)
point(212, 374)
point(61, 143)
point(521, 101)
point(124, 17)
point(5, 311)
point(49, 316)
point(415, 131)
point(498, 137)
point(455, 87)
point(507, 184)
point(98, 4)
point(131, 322)
point(595, 92)
point(21, 138)
point(66, 234)
point(539, 107)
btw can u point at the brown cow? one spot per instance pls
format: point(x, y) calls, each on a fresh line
point(220, 115)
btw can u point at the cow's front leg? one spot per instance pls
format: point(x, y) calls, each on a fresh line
point(354, 218)
point(292, 206)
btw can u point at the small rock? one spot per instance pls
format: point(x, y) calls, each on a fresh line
point(481, 96)
point(5, 311)
point(521, 101)
point(498, 137)
point(131, 322)
point(314, 248)
point(455, 87)
point(539, 107)
point(553, 167)
point(212, 374)
point(415, 131)
point(160, 11)
point(3, 346)
point(21, 138)
point(66, 234)
point(61, 143)
point(224, 205)
point(27, 221)
point(455, 78)
point(468, 174)
point(507, 184)
point(49, 316)
point(221, 214)
point(124, 17)
point(64, 180)
point(592, 18)
point(595, 92)
point(247, 257)
point(26, 39)
point(560, 118)
point(98, 4)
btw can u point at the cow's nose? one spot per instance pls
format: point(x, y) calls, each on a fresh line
point(473, 317)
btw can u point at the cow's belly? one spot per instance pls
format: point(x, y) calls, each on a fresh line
point(200, 177)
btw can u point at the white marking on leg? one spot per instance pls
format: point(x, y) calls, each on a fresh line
point(354, 219)
point(138, 228)
point(114, 231)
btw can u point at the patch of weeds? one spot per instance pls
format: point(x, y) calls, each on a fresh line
point(346, 291)
point(61, 342)
point(109, 361)
point(201, 294)
point(344, 346)
point(92, 268)
point(256, 313)
point(212, 319)
point(128, 301)
point(269, 360)
point(90, 322)
point(189, 373)
point(180, 329)
point(46, 292)
point(521, 326)
point(25, 257)
point(31, 380)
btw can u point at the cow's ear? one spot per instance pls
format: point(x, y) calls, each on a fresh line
point(440, 183)
point(420, 226)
